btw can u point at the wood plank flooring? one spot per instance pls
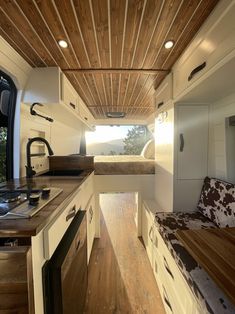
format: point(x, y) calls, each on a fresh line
point(120, 275)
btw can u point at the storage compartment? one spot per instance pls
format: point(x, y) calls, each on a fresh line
point(90, 212)
point(65, 275)
point(192, 137)
point(16, 289)
point(164, 92)
point(68, 94)
point(53, 232)
point(166, 271)
point(147, 231)
point(214, 43)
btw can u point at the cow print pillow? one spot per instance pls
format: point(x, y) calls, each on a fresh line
point(217, 202)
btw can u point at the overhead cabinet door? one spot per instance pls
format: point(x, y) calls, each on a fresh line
point(192, 143)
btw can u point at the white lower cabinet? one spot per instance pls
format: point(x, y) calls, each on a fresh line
point(147, 231)
point(175, 292)
point(90, 212)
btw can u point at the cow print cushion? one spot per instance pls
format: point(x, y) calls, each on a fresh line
point(210, 297)
point(217, 202)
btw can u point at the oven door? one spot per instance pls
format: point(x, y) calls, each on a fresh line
point(65, 274)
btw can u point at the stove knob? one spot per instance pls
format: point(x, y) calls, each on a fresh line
point(34, 199)
point(46, 192)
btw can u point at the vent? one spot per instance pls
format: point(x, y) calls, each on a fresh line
point(116, 115)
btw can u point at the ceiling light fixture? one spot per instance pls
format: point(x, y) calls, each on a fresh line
point(169, 44)
point(116, 115)
point(63, 43)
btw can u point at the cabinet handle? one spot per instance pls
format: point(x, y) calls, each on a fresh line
point(196, 70)
point(181, 142)
point(150, 233)
point(168, 268)
point(160, 104)
point(91, 213)
point(78, 245)
point(71, 213)
point(72, 105)
point(167, 301)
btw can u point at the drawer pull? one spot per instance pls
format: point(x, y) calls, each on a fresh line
point(71, 213)
point(78, 245)
point(91, 214)
point(181, 142)
point(168, 268)
point(166, 300)
point(72, 105)
point(160, 105)
point(150, 234)
point(196, 70)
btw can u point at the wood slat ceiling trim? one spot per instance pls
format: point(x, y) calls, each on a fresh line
point(116, 56)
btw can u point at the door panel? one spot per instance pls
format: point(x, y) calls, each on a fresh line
point(192, 126)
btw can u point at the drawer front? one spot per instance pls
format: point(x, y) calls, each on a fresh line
point(170, 301)
point(167, 289)
point(215, 45)
point(87, 190)
point(54, 232)
point(147, 232)
point(16, 291)
point(172, 273)
point(164, 92)
point(90, 210)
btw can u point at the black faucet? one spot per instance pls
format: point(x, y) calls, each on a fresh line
point(29, 170)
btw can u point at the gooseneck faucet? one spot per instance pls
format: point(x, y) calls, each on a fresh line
point(29, 170)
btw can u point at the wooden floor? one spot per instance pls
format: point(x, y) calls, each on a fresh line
point(120, 275)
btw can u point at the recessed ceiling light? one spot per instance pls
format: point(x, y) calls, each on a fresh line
point(63, 43)
point(169, 44)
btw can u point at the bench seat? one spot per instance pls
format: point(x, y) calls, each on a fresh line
point(208, 294)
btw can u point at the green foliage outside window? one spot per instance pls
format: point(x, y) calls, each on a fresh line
point(3, 141)
point(135, 140)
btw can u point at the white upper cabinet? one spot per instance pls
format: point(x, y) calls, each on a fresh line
point(164, 92)
point(192, 142)
point(51, 87)
point(68, 94)
point(44, 86)
point(211, 48)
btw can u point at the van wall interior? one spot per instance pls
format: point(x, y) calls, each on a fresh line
point(63, 138)
point(219, 153)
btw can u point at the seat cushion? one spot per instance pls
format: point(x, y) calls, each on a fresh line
point(217, 202)
point(208, 294)
point(169, 223)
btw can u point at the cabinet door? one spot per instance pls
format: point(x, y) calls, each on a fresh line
point(192, 132)
point(214, 42)
point(16, 284)
point(147, 232)
point(74, 276)
point(90, 226)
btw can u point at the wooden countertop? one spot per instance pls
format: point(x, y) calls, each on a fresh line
point(30, 227)
point(214, 250)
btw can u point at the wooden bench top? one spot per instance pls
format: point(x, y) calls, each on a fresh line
point(214, 250)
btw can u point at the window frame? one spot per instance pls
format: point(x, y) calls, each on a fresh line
point(10, 127)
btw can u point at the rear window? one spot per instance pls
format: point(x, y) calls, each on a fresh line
point(117, 140)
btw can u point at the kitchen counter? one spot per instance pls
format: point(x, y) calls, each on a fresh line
point(32, 226)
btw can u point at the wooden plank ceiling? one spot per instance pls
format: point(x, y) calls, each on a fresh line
point(105, 34)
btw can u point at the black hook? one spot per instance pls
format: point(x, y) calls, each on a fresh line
point(34, 113)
